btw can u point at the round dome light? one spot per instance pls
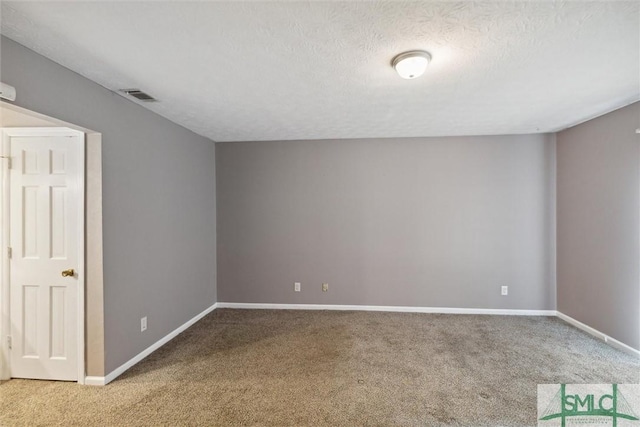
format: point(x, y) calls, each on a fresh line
point(410, 65)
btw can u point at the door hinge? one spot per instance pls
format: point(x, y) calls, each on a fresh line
point(9, 342)
point(10, 252)
point(8, 160)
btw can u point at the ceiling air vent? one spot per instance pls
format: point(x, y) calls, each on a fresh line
point(139, 95)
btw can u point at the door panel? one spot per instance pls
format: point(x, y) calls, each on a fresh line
point(44, 241)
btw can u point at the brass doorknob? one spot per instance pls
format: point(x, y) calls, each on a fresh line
point(68, 273)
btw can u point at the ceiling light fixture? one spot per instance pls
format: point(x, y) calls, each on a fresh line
point(410, 65)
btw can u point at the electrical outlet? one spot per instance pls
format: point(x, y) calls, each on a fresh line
point(143, 324)
point(505, 290)
point(325, 287)
point(296, 286)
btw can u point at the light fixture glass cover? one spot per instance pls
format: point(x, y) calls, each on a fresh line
point(410, 65)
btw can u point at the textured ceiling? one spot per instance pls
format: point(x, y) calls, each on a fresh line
point(237, 71)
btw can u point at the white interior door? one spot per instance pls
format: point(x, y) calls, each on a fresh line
point(44, 265)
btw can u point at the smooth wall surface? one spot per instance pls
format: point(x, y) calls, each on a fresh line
point(12, 118)
point(159, 209)
point(599, 224)
point(442, 222)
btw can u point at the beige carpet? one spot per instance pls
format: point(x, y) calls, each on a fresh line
point(310, 368)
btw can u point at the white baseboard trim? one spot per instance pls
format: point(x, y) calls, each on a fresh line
point(125, 366)
point(397, 309)
point(596, 333)
point(94, 381)
point(100, 381)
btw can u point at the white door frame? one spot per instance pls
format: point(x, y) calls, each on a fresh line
point(5, 318)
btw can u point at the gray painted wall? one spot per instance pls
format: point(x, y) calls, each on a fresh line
point(411, 222)
point(158, 197)
point(599, 224)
